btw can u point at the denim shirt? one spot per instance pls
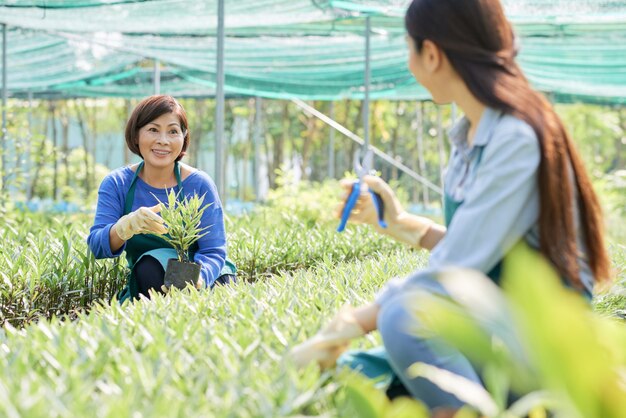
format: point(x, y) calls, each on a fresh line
point(500, 195)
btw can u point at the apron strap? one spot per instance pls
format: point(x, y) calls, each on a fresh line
point(130, 196)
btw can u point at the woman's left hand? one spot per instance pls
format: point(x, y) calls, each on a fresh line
point(200, 282)
point(328, 344)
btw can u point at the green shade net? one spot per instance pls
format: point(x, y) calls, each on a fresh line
point(576, 51)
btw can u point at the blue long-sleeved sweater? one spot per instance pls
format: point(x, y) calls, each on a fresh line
point(111, 197)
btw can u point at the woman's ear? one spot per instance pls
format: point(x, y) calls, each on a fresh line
point(432, 56)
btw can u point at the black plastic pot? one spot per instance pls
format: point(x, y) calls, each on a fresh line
point(178, 274)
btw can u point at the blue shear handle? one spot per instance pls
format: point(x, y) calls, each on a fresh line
point(380, 208)
point(350, 202)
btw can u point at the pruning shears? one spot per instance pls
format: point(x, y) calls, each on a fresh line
point(361, 168)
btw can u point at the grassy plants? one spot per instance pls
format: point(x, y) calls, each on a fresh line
point(183, 217)
point(218, 353)
point(190, 354)
point(46, 268)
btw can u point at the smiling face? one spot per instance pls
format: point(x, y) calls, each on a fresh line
point(161, 141)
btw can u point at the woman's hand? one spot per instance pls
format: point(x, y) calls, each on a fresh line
point(328, 344)
point(401, 225)
point(142, 221)
point(364, 211)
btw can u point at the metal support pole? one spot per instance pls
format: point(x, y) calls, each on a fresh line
point(258, 131)
point(129, 111)
point(27, 144)
point(29, 116)
point(157, 77)
point(4, 107)
point(219, 105)
point(419, 113)
point(331, 144)
point(366, 102)
point(442, 153)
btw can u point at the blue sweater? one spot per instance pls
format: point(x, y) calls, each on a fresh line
point(111, 197)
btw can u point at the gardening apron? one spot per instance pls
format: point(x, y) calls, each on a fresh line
point(141, 245)
point(374, 363)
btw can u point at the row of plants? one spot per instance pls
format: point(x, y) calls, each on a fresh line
point(46, 268)
point(188, 355)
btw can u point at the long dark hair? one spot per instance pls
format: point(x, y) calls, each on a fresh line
point(479, 43)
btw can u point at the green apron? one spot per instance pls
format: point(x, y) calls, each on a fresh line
point(151, 245)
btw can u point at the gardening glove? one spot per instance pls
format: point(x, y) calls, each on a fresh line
point(328, 344)
point(401, 225)
point(200, 282)
point(142, 221)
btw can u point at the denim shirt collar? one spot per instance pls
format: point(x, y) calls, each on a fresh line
point(458, 132)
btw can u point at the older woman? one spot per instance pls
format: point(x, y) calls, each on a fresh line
point(127, 212)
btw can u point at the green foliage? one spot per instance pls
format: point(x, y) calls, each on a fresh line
point(196, 354)
point(583, 361)
point(364, 400)
point(598, 132)
point(611, 300)
point(46, 268)
point(183, 218)
point(537, 338)
point(296, 229)
point(221, 353)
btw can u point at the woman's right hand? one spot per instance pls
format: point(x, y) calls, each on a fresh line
point(142, 221)
point(401, 225)
point(364, 211)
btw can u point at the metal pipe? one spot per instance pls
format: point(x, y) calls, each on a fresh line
point(257, 147)
point(29, 116)
point(442, 154)
point(331, 144)
point(157, 77)
point(219, 105)
point(366, 102)
point(419, 114)
point(27, 145)
point(388, 158)
point(5, 89)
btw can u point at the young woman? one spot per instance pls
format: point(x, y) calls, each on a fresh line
point(513, 175)
point(127, 211)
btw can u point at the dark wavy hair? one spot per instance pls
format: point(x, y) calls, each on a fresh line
point(480, 44)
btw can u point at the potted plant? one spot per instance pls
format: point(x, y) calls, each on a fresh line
point(182, 217)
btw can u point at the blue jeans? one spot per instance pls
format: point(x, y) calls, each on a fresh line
point(397, 324)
